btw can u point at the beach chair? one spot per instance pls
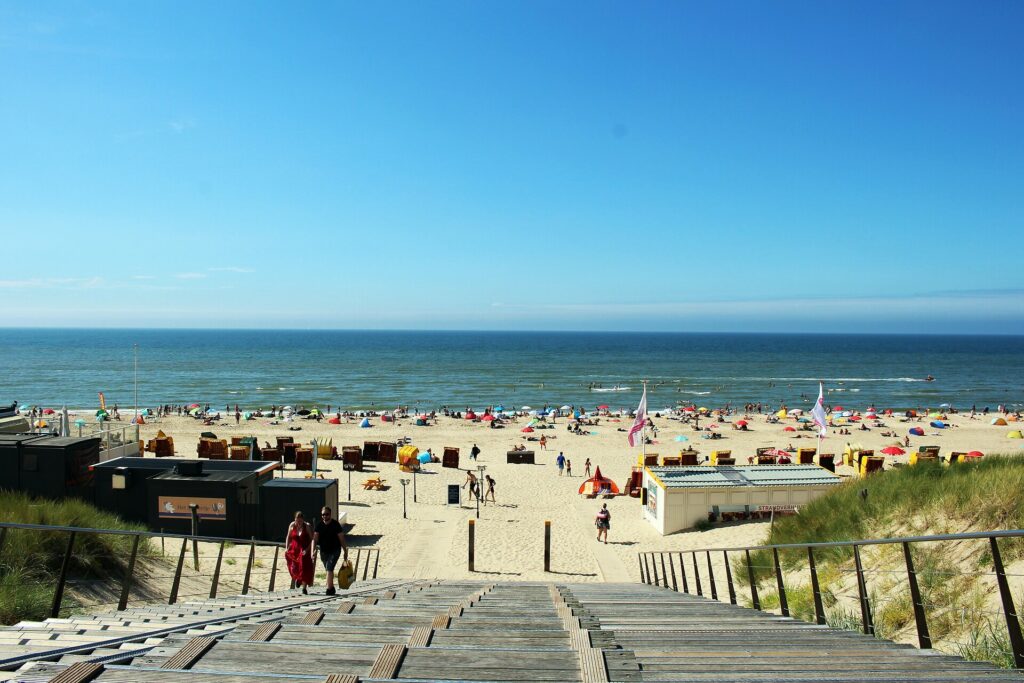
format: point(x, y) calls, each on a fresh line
point(352, 458)
point(387, 452)
point(805, 456)
point(827, 461)
point(871, 464)
point(288, 452)
point(923, 454)
point(688, 457)
point(716, 455)
point(271, 455)
point(238, 452)
point(765, 459)
point(723, 462)
point(304, 459)
point(236, 440)
point(954, 457)
point(450, 457)
point(671, 461)
point(651, 460)
point(326, 450)
point(218, 450)
point(371, 451)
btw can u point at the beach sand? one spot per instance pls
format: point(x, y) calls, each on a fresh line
point(432, 542)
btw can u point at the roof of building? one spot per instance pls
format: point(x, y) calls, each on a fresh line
point(702, 476)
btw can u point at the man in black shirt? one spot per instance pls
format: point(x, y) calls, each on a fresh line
point(331, 541)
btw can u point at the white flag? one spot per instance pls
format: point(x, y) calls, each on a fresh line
point(641, 417)
point(818, 413)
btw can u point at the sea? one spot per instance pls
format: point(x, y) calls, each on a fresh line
point(430, 369)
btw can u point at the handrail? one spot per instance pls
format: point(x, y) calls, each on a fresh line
point(371, 552)
point(649, 574)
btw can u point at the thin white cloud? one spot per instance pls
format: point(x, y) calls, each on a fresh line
point(181, 125)
point(231, 269)
point(53, 283)
point(143, 277)
point(190, 276)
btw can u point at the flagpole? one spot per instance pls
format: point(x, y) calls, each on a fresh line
point(643, 429)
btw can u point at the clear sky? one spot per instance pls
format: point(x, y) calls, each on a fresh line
point(716, 166)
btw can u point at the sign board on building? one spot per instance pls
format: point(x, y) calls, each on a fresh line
point(176, 507)
point(778, 508)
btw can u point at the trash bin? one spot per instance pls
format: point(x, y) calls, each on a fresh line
point(280, 499)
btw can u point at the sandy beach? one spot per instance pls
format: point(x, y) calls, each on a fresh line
point(432, 541)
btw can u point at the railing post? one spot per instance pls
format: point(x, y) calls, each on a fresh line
point(547, 545)
point(273, 570)
point(216, 572)
point(177, 573)
point(654, 563)
point(711, 578)
point(248, 567)
point(672, 570)
point(647, 568)
point(58, 594)
point(783, 603)
point(472, 540)
point(682, 572)
point(664, 574)
point(862, 590)
point(819, 609)
point(728, 577)
point(126, 585)
point(366, 567)
point(924, 638)
point(355, 567)
point(1009, 610)
point(640, 561)
point(696, 575)
point(753, 583)
point(376, 561)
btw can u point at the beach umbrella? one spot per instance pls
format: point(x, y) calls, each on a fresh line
point(334, 421)
point(775, 453)
point(79, 422)
point(194, 411)
point(855, 418)
point(488, 418)
point(526, 429)
point(789, 429)
point(603, 407)
point(781, 413)
point(526, 408)
point(689, 409)
point(566, 408)
point(743, 423)
point(802, 420)
point(303, 412)
point(49, 411)
point(796, 411)
point(998, 421)
point(916, 431)
point(944, 405)
point(712, 426)
point(471, 415)
point(893, 450)
point(193, 405)
point(975, 454)
point(835, 408)
point(41, 424)
point(938, 424)
point(681, 438)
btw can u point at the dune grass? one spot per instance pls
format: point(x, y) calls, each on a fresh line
point(926, 499)
point(30, 560)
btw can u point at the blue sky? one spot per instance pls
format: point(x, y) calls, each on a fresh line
point(719, 166)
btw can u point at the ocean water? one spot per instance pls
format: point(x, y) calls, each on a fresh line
point(362, 369)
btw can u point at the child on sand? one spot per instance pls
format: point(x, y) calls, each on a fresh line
point(568, 467)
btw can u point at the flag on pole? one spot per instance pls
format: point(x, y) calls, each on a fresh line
point(818, 413)
point(641, 417)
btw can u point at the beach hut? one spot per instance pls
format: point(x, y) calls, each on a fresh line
point(598, 485)
point(676, 498)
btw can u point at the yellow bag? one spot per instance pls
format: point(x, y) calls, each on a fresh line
point(346, 575)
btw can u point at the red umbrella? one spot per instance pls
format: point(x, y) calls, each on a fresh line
point(470, 416)
point(526, 429)
point(741, 423)
point(776, 453)
point(689, 409)
point(49, 411)
point(893, 450)
point(975, 454)
point(855, 418)
point(604, 407)
point(835, 408)
point(789, 429)
point(488, 418)
point(334, 421)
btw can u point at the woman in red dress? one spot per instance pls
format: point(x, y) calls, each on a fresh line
point(299, 552)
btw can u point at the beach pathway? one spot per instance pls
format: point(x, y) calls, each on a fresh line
point(426, 553)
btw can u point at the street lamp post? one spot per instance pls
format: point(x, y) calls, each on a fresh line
point(404, 483)
point(414, 484)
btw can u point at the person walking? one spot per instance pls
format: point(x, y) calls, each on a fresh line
point(490, 489)
point(543, 442)
point(474, 452)
point(330, 539)
point(471, 482)
point(586, 469)
point(298, 552)
point(560, 461)
point(568, 467)
point(603, 522)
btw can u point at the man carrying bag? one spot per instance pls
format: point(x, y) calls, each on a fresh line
point(330, 539)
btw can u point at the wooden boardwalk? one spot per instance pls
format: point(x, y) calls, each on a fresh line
point(475, 631)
